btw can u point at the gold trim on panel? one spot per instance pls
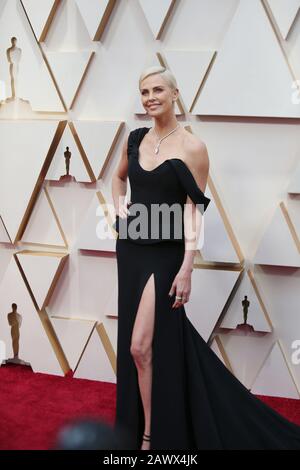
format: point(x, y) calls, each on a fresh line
point(107, 345)
point(279, 38)
point(54, 341)
point(85, 157)
point(290, 225)
point(179, 100)
point(56, 218)
point(226, 305)
point(55, 280)
point(225, 219)
point(63, 259)
point(166, 18)
point(288, 366)
point(85, 346)
point(41, 253)
point(47, 325)
point(223, 353)
point(223, 215)
point(202, 83)
point(104, 20)
point(261, 366)
point(47, 245)
point(111, 149)
point(272, 18)
point(82, 152)
point(59, 317)
point(106, 212)
point(48, 21)
point(56, 139)
point(82, 78)
point(216, 265)
point(293, 24)
point(285, 360)
point(46, 61)
point(42, 245)
point(259, 298)
point(4, 226)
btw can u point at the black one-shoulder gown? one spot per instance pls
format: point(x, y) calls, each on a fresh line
point(196, 402)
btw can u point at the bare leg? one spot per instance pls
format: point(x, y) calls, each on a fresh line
point(141, 349)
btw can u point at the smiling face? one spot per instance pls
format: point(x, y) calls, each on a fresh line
point(156, 94)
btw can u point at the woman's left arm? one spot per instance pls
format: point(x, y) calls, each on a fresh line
point(198, 162)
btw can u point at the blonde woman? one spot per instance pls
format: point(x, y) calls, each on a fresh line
point(172, 390)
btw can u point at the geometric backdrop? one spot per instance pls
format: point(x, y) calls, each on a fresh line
point(69, 92)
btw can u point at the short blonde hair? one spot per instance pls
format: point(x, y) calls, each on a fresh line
point(163, 71)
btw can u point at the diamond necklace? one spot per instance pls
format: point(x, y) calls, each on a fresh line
point(160, 140)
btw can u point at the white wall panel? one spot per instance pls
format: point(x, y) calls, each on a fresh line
point(237, 63)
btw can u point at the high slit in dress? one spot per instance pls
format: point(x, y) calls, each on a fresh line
point(196, 402)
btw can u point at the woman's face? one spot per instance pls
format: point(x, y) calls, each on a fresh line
point(157, 96)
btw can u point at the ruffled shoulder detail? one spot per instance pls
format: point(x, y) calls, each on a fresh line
point(131, 143)
point(187, 180)
point(134, 139)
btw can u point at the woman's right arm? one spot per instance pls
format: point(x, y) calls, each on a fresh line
point(119, 183)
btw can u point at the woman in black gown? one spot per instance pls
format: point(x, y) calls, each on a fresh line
point(173, 392)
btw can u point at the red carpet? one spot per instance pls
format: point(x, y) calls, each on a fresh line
point(34, 406)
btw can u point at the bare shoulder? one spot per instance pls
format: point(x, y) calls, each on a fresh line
point(195, 151)
point(196, 158)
